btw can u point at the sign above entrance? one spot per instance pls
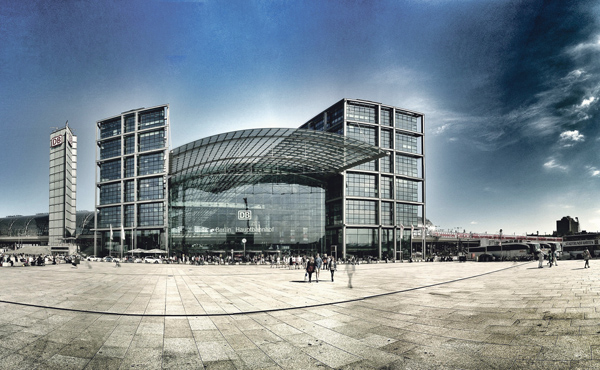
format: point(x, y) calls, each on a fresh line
point(245, 215)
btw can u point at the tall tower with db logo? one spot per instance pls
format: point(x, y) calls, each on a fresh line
point(63, 189)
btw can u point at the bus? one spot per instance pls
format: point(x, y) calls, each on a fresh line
point(547, 247)
point(506, 251)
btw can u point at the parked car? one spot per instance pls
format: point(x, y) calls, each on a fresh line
point(152, 260)
point(94, 258)
point(107, 259)
point(138, 260)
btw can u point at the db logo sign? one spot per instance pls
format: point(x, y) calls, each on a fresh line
point(245, 215)
point(56, 141)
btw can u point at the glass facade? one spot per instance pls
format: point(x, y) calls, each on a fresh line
point(273, 217)
point(132, 181)
point(267, 186)
point(379, 198)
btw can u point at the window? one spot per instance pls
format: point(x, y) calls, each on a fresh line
point(407, 190)
point(109, 216)
point(150, 164)
point(386, 117)
point(150, 214)
point(152, 119)
point(407, 122)
point(387, 213)
point(110, 193)
point(387, 164)
point(152, 140)
point(369, 166)
point(361, 185)
point(130, 123)
point(408, 166)
point(334, 213)
point(407, 214)
point(129, 191)
point(363, 212)
point(129, 215)
point(387, 187)
point(130, 144)
point(407, 143)
point(361, 113)
point(362, 133)
point(129, 167)
point(387, 139)
point(109, 149)
point(110, 170)
point(362, 241)
point(151, 189)
point(110, 128)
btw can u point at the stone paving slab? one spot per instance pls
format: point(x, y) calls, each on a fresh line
point(470, 315)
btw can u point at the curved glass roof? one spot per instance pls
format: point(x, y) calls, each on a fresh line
point(37, 225)
point(257, 153)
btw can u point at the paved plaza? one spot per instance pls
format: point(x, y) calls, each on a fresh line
point(442, 315)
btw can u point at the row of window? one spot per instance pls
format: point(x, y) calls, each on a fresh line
point(147, 141)
point(148, 189)
point(148, 164)
point(149, 214)
point(146, 120)
point(406, 143)
point(365, 185)
point(365, 212)
point(368, 113)
point(406, 166)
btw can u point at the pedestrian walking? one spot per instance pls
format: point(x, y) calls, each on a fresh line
point(586, 257)
point(318, 265)
point(552, 256)
point(332, 266)
point(350, 268)
point(541, 259)
point(310, 268)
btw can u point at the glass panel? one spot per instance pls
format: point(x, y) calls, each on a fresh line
point(363, 212)
point(110, 128)
point(361, 185)
point(361, 113)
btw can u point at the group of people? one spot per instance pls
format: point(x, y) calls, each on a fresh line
point(552, 261)
point(316, 264)
point(552, 258)
point(26, 260)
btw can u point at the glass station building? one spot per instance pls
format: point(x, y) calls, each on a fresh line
point(257, 191)
point(350, 181)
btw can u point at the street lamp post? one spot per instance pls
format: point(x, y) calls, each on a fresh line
point(501, 252)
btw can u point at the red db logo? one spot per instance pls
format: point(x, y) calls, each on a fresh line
point(56, 141)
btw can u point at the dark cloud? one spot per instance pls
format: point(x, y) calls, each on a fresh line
point(530, 69)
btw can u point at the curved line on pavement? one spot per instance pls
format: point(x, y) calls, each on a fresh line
point(267, 310)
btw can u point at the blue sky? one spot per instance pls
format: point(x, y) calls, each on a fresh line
point(510, 89)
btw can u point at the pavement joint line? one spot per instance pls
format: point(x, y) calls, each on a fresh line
point(267, 310)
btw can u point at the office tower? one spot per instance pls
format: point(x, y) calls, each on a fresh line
point(63, 188)
point(131, 181)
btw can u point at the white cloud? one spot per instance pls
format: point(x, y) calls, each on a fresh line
point(552, 164)
point(585, 46)
point(441, 129)
point(587, 102)
point(474, 222)
point(593, 171)
point(567, 138)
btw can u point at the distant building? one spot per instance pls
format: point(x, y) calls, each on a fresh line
point(567, 226)
point(63, 189)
